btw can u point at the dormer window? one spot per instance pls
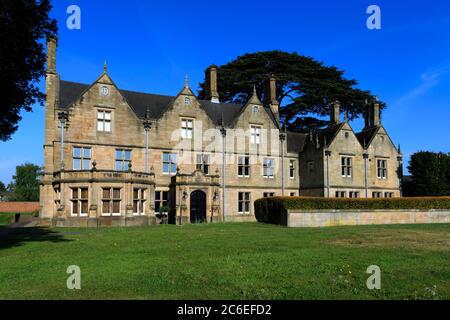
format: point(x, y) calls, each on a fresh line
point(104, 121)
point(187, 101)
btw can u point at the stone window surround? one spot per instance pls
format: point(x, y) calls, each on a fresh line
point(255, 134)
point(104, 110)
point(382, 168)
point(140, 201)
point(79, 201)
point(292, 169)
point(244, 201)
point(244, 165)
point(170, 162)
point(111, 199)
point(346, 166)
point(187, 128)
point(268, 171)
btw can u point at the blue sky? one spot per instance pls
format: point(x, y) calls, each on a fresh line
point(151, 46)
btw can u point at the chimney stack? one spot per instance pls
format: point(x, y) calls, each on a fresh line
point(211, 84)
point(52, 42)
point(270, 95)
point(335, 113)
point(375, 121)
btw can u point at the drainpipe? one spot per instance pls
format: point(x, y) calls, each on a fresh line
point(282, 139)
point(63, 117)
point(147, 126)
point(328, 154)
point(366, 175)
point(223, 131)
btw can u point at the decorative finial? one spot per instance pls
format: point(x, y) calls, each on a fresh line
point(254, 89)
point(186, 81)
point(376, 98)
point(129, 166)
point(94, 165)
point(399, 149)
point(105, 67)
point(346, 116)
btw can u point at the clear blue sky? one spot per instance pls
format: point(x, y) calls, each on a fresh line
point(151, 45)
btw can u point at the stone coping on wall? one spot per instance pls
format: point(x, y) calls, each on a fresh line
point(325, 218)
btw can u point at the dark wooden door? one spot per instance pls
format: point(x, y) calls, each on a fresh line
point(198, 207)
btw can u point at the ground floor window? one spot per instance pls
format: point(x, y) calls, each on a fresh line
point(376, 194)
point(79, 202)
point(353, 194)
point(139, 201)
point(161, 199)
point(292, 194)
point(268, 194)
point(388, 194)
point(111, 199)
point(244, 202)
point(341, 194)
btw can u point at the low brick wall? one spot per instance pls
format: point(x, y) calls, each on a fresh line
point(19, 207)
point(325, 218)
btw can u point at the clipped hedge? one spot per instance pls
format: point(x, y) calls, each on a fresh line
point(274, 210)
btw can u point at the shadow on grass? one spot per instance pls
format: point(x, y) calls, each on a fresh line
point(13, 237)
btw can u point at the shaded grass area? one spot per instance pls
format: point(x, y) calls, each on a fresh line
point(227, 261)
point(7, 217)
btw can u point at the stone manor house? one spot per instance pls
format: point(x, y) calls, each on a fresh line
point(118, 157)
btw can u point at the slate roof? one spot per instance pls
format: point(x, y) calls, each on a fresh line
point(326, 135)
point(366, 136)
point(296, 141)
point(156, 104)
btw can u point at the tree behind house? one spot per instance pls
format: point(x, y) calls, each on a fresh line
point(430, 174)
point(25, 184)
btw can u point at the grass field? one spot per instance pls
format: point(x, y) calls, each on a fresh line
point(227, 261)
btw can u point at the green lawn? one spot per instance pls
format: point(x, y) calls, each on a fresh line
point(227, 261)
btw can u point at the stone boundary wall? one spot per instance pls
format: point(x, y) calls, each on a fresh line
point(327, 218)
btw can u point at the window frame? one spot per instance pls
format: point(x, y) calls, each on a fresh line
point(111, 201)
point(186, 131)
point(346, 167)
point(269, 169)
point(103, 120)
point(203, 166)
point(382, 170)
point(79, 202)
point(81, 158)
point(141, 201)
point(244, 201)
point(124, 162)
point(169, 163)
point(292, 169)
point(243, 166)
point(255, 134)
point(159, 199)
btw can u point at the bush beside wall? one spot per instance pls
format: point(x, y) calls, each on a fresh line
point(274, 210)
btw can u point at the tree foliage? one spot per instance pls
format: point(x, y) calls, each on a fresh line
point(23, 24)
point(25, 184)
point(306, 88)
point(2, 187)
point(430, 174)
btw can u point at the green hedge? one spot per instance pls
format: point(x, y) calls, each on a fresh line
point(274, 210)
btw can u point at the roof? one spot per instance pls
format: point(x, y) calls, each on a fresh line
point(156, 104)
point(296, 141)
point(326, 135)
point(366, 136)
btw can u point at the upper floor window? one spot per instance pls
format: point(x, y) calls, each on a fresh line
point(244, 166)
point(255, 109)
point(123, 159)
point(382, 169)
point(268, 168)
point(169, 163)
point(186, 128)
point(81, 158)
point(292, 169)
point(346, 167)
point(203, 163)
point(187, 101)
point(255, 135)
point(104, 121)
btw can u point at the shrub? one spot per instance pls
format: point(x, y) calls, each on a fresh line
point(274, 210)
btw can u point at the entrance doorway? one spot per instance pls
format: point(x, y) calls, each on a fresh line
point(198, 207)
